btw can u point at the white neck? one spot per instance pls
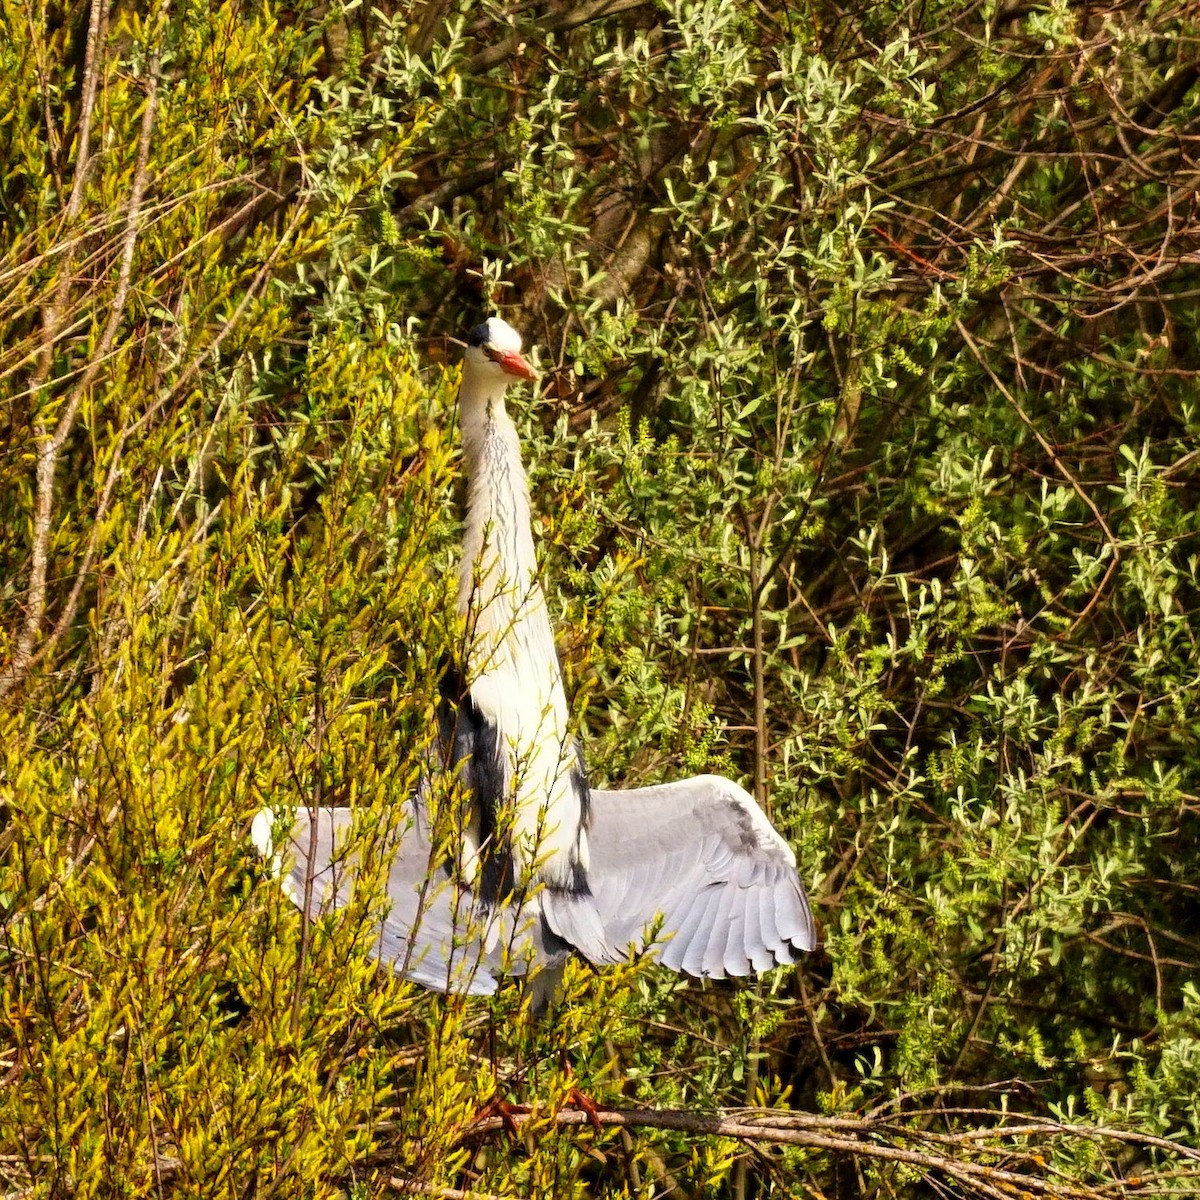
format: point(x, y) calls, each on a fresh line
point(479, 395)
point(511, 663)
point(499, 566)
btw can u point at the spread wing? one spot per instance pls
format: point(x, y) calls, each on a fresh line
point(702, 856)
point(697, 858)
point(432, 930)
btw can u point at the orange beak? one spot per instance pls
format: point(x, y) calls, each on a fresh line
point(514, 363)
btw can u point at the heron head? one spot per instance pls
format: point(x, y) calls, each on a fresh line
point(494, 348)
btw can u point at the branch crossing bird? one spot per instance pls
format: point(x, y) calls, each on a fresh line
point(544, 866)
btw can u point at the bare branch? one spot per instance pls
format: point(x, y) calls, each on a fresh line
point(863, 1138)
point(50, 446)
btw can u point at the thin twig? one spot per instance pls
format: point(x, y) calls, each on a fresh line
point(1059, 466)
point(410, 1188)
point(49, 447)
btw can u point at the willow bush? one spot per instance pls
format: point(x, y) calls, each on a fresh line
point(876, 326)
point(220, 495)
point(865, 470)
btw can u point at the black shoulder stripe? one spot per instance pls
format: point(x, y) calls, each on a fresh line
point(579, 784)
point(471, 743)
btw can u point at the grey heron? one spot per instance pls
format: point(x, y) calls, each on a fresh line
point(547, 867)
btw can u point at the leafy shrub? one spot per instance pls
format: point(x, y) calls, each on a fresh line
point(865, 470)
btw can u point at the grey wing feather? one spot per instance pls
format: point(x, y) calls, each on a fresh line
point(685, 951)
point(700, 856)
point(431, 930)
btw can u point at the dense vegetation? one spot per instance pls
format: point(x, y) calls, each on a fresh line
point(866, 468)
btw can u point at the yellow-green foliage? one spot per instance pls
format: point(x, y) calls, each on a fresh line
point(167, 1015)
point(869, 478)
point(246, 532)
point(239, 495)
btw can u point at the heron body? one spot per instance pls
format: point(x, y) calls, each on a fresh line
point(529, 791)
point(513, 674)
point(547, 867)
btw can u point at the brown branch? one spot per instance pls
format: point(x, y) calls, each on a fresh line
point(23, 662)
point(51, 323)
point(141, 180)
point(562, 22)
point(433, 17)
point(97, 21)
point(628, 261)
point(451, 189)
point(410, 1188)
point(49, 447)
point(1059, 466)
point(861, 1137)
point(856, 1137)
